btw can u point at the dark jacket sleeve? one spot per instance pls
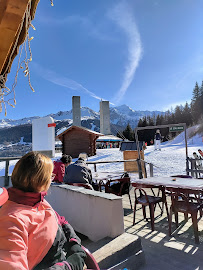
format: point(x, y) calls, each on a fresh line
point(75, 254)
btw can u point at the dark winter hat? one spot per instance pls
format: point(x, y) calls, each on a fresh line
point(66, 159)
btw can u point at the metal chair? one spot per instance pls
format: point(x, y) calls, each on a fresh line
point(181, 202)
point(148, 200)
point(119, 187)
point(90, 261)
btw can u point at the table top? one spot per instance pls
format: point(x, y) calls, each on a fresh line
point(106, 175)
point(190, 183)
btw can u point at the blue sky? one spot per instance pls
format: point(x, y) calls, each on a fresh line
point(146, 54)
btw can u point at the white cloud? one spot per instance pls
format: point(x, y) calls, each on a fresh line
point(123, 17)
point(96, 29)
point(173, 105)
point(60, 80)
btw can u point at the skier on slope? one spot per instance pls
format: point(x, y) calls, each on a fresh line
point(157, 140)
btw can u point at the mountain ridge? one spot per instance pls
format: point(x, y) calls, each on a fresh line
point(118, 115)
point(11, 131)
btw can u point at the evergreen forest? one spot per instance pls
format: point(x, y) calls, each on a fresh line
point(190, 114)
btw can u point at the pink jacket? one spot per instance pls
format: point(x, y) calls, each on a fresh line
point(30, 230)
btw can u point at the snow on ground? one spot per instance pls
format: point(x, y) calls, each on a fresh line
point(170, 160)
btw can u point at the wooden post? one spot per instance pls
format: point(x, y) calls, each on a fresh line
point(192, 167)
point(151, 170)
point(95, 167)
point(145, 170)
point(139, 165)
point(6, 182)
point(195, 165)
point(186, 151)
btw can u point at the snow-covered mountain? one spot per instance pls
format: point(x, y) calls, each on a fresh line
point(121, 116)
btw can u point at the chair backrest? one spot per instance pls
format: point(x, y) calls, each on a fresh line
point(181, 176)
point(87, 186)
point(140, 188)
point(184, 195)
point(90, 260)
point(3, 196)
point(119, 187)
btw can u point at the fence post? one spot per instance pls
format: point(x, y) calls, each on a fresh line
point(145, 170)
point(95, 167)
point(151, 170)
point(192, 167)
point(139, 168)
point(187, 166)
point(6, 182)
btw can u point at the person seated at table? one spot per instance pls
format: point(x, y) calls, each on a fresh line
point(59, 168)
point(32, 234)
point(79, 172)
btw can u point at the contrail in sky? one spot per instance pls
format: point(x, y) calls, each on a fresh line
point(57, 79)
point(122, 15)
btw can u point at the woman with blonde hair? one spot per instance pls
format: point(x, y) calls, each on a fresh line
point(32, 234)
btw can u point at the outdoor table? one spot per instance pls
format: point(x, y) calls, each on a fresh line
point(187, 183)
point(104, 176)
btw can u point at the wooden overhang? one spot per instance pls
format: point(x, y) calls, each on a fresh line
point(13, 29)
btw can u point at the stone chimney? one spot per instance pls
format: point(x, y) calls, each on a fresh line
point(76, 111)
point(105, 118)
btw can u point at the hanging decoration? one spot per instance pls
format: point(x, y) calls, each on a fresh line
point(7, 95)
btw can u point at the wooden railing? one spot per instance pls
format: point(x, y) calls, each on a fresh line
point(95, 163)
point(7, 160)
point(193, 168)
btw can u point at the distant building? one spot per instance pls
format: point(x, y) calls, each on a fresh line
point(76, 140)
point(108, 141)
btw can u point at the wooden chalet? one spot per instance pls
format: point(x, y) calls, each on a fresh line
point(76, 140)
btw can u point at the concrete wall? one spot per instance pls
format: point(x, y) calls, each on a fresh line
point(105, 118)
point(92, 213)
point(76, 111)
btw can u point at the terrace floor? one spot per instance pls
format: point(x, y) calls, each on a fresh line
point(161, 251)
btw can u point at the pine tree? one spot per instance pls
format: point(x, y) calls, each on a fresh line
point(196, 93)
point(201, 98)
point(129, 133)
point(196, 104)
point(178, 114)
point(186, 115)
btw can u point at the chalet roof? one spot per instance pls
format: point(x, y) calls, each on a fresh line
point(79, 128)
point(109, 138)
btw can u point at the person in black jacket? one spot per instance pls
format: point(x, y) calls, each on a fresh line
point(78, 172)
point(157, 140)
